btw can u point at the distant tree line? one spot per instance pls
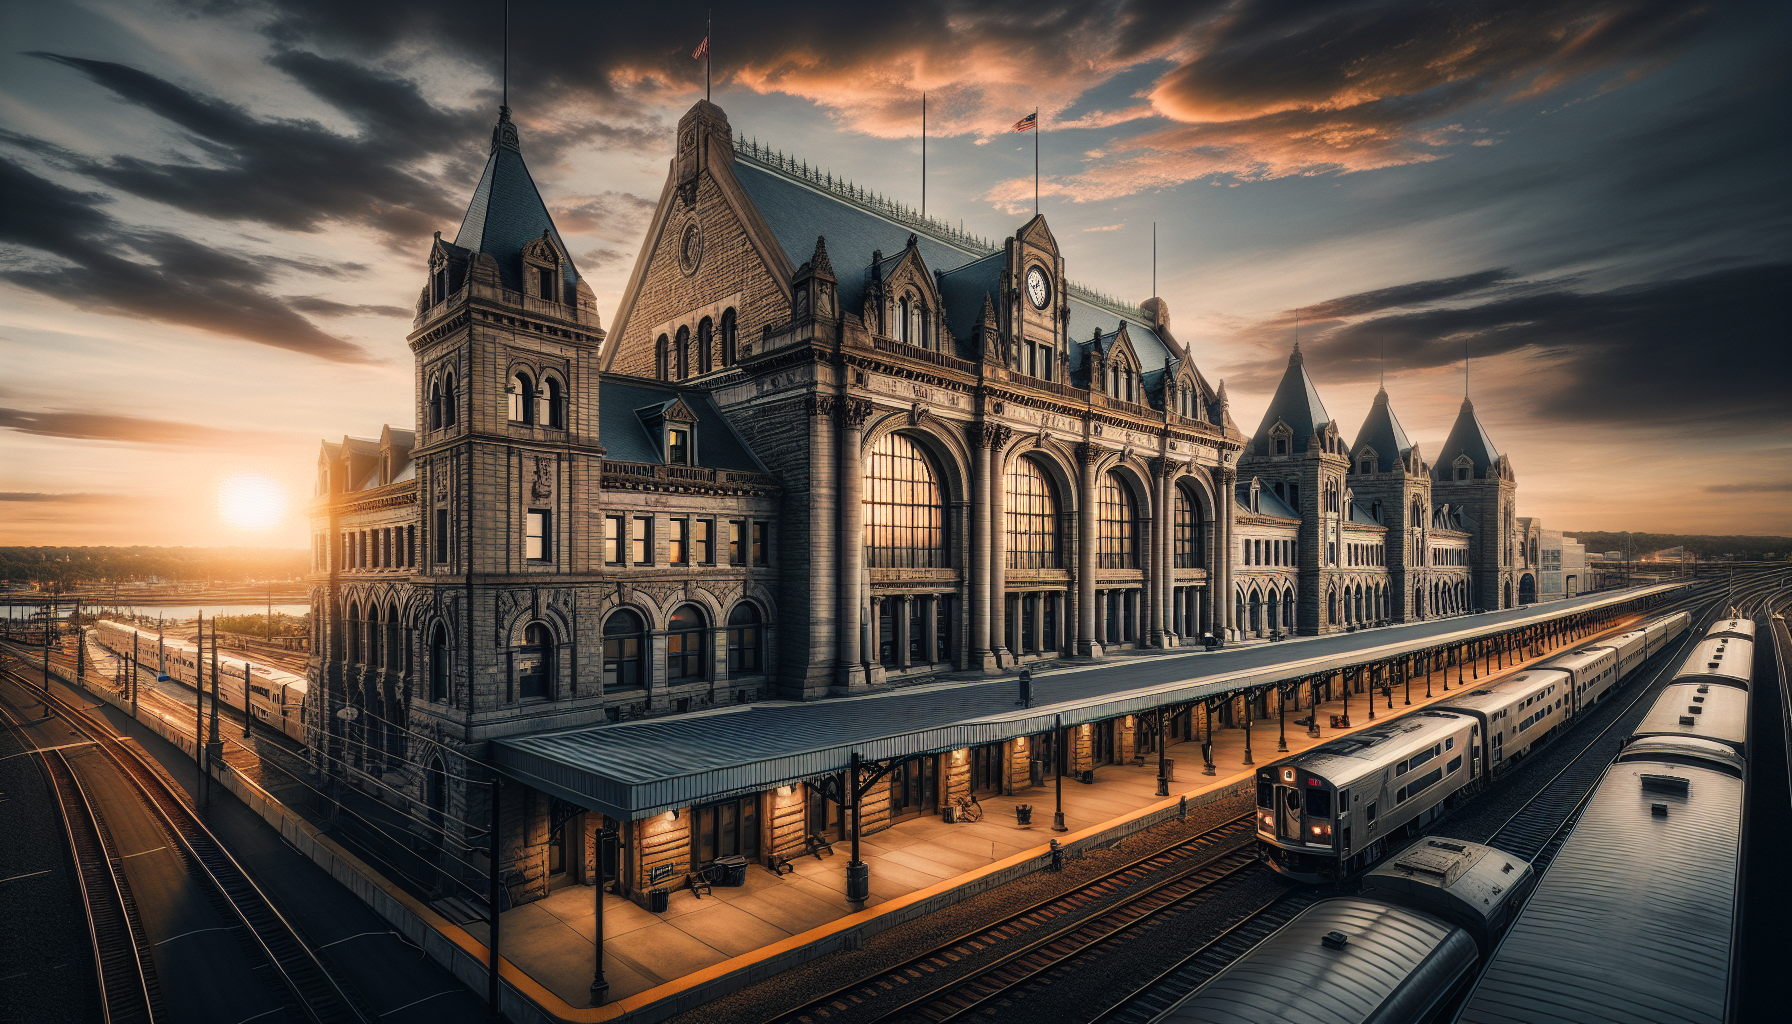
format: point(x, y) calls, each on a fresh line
point(136, 564)
point(1704, 547)
point(257, 625)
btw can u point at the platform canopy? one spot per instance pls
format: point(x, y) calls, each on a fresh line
point(634, 770)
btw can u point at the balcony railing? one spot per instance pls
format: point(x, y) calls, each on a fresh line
point(690, 474)
point(582, 313)
point(1130, 408)
point(890, 346)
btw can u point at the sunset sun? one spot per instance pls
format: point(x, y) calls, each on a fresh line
point(251, 502)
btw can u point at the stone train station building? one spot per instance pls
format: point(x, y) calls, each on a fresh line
point(826, 448)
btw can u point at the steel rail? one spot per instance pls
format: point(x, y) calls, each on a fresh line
point(318, 994)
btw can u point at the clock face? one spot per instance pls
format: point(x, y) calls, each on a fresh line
point(1039, 290)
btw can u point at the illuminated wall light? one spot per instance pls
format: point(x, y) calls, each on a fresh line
point(784, 790)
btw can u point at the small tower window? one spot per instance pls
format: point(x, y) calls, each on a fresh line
point(435, 404)
point(538, 535)
point(448, 406)
point(553, 403)
point(681, 354)
point(522, 399)
point(728, 338)
point(705, 337)
point(678, 446)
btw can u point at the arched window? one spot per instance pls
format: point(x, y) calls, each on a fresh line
point(435, 403)
point(916, 332)
point(535, 663)
point(744, 656)
point(438, 665)
point(662, 358)
point(522, 399)
point(1119, 524)
point(1238, 610)
point(681, 354)
point(1287, 608)
point(729, 351)
point(351, 624)
point(706, 331)
point(625, 641)
point(905, 520)
point(1032, 506)
point(1188, 530)
point(553, 401)
point(1331, 607)
point(1256, 612)
point(687, 639)
point(1274, 617)
point(902, 319)
point(375, 634)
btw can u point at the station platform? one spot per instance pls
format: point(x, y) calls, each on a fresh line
point(551, 940)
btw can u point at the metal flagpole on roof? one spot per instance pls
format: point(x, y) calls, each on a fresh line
point(1035, 161)
point(923, 155)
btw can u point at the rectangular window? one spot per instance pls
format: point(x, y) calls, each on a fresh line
point(1319, 803)
point(441, 536)
point(1455, 763)
point(737, 542)
point(536, 535)
point(705, 541)
point(410, 546)
point(641, 540)
point(1419, 785)
point(678, 447)
point(545, 283)
point(762, 546)
point(1370, 810)
point(613, 540)
point(678, 542)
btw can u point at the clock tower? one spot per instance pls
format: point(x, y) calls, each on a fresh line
point(1035, 312)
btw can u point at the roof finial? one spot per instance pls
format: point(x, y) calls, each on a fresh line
point(504, 104)
point(1465, 369)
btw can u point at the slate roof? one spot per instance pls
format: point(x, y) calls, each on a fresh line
point(1381, 431)
point(626, 439)
point(1467, 437)
point(1296, 403)
point(798, 211)
point(1271, 503)
point(507, 212)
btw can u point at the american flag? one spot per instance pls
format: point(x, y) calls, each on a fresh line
point(702, 48)
point(1026, 124)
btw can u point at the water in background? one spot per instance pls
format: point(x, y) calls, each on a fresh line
point(171, 612)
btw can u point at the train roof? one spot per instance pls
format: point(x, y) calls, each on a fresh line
point(1692, 750)
point(1632, 922)
point(1452, 877)
point(1725, 659)
point(1699, 710)
point(1347, 758)
point(1741, 628)
point(1394, 965)
point(1579, 658)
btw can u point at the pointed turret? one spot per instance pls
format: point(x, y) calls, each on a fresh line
point(1296, 404)
point(1467, 438)
point(507, 215)
point(1382, 433)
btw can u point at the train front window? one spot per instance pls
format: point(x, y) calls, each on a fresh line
point(1319, 803)
point(1265, 794)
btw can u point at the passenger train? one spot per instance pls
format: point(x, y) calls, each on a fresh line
point(1666, 819)
point(277, 697)
point(1326, 813)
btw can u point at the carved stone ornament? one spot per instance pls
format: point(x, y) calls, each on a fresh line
point(998, 435)
point(541, 478)
point(916, 413)
point(1039, 439)
point(856, 412)
point(690, 248)
point(1087, 454)
point(820, 405)
point(441, 481)
point(1160, 467)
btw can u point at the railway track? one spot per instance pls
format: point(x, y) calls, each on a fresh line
point(1039, 936)
point(315, 993)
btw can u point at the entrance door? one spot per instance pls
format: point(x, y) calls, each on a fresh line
point(1288, 813)
point(913, 788)
point(986, 768)
point(726, 829)
point(1104, 742)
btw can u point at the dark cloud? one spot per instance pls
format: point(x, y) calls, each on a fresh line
point(597, 259)
point(612, 214)
point(1755, 487)
point(71, 497)
point(1705, 350)
point(97, 426)
point(1405, 295)
point(329, 307)
point(176, 281)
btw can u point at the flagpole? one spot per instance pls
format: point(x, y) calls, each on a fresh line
point(709, 49)
point(923, 155)
point(1035, 161)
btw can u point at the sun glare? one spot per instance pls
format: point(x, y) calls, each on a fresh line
point(251, 502)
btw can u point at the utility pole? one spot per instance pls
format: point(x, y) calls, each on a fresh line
point(80, 648)
point(199, 708)
point(245, 700)
point(214, 748)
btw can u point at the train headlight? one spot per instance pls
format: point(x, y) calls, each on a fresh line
point(1268, 820)
point(1322, 830)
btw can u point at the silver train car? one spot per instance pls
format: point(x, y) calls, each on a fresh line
point(1399, 952)
point(1723, 660)
point(1741, 629)
point(276, 696)
point(1328, 812)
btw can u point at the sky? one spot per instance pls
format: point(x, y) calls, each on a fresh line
point(216, 215)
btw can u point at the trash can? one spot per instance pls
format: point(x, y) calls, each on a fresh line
point(1037, 770)
point(658, 900)
point(733, 871)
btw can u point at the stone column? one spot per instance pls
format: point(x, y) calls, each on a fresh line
point(981, 657)
point(997, 435)
point(900, 619)
point(1221, 559)
point(1038, 637)
point(930, 627)
point(1086, 644)
point(854, 413)
point(1151, 631)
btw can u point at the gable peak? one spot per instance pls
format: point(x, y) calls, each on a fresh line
point(504, 133)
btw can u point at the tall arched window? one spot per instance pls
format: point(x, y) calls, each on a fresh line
point(553, 401)
point(375, 634)
point(662, 358)
point(743, 640)
point(706, 332)
point(902, 321)
point(625, 641)
point(905, 520)
point(681, 354)
point(351, 624)
point(687, 636)
point(729, 341)
point(435, 403)
point(1256, 612)
point(438, 665)
point(1119, 524)
point(535, 663)
point(1188, 530)
point(1288, 608)
point(1331, 607)
point(1032, 505)
point(1274, 610)
point(916, 331)
point(522, 399)
point(450, 410)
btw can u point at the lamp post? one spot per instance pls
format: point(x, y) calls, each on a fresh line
point(858, 873)
point(1059, 754)
point(606, 861)
point(1163, 743)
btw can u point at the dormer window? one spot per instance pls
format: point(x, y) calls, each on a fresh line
point(438, 282)
point(545, 280)
point(1464, 468)
point(678, 446)
point(522, 399)
point(1281, 446)
point(541, 268)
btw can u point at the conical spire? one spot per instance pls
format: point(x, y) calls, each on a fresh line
point(823, 266)
point(1297, 404)
point(507, 213)
point(1467, 437)
point(1382, 432)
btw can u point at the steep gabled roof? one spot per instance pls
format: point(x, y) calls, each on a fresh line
point(625, 436)
point(1381, 431)
point(507, 212)
point(1296, 403)
point(1468, 437)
